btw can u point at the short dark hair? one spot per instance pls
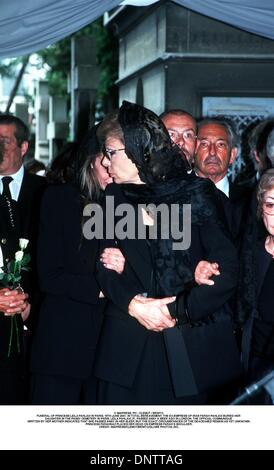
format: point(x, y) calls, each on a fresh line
point(270, 147)
point(33, 165)
point(177, 112)
point(21, 130)
point(258, 141)
point(61, 169)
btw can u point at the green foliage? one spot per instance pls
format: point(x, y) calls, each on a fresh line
point(9, 68)
point(58, 58)
point(107, 56)
point(6, 70)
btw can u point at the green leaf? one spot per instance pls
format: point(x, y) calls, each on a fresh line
point(57, 58)
point(26, 259)
point(11, 265)
point(26, 269)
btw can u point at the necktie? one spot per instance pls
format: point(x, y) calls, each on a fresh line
point(7, 198)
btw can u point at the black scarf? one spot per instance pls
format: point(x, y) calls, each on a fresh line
point(164, 171)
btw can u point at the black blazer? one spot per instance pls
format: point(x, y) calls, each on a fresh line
point(262, 261)
point(123, 338)
point(240, 198)
point(236, 209)
point(71, 312)
point(26, 215)
point(26, 212)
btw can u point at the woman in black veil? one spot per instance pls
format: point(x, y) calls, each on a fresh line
point(157, 287)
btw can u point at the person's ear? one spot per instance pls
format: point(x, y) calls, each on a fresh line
point(256, 155)
point(24, 148)
point(197, 145)
point(233, 155)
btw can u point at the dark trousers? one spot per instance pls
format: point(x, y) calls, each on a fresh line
point(152, 385)
point(60, 390)
point(12, 363)
point(258, 368)
point(12, 388)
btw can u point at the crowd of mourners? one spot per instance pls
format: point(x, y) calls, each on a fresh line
point(116, 307)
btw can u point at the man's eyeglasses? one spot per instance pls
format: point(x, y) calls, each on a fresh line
point(268, 208)
point(188, 135)
point(109, 153)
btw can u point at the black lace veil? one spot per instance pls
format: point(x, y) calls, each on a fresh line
point(168, 180)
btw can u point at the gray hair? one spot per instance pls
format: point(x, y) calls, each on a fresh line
point(266, 184)
point(270, 147)
point(228, 125)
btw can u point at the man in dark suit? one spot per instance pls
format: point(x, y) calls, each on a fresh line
point(182, 129)
point(20, 194)
point(216, 150)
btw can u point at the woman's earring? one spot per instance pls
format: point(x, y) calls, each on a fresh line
point(91, 165)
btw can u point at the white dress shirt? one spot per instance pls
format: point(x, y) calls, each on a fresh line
point(223, 185)
point(15, 187)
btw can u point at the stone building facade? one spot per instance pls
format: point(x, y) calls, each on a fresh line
point(171, 57)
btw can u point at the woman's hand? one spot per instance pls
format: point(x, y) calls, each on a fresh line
point(12, 301)
point(112, 258)
point(204, 270)
point(25, 312)
point(153, 314)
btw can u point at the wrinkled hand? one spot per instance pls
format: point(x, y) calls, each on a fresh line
point(112, 258)
point(153, 314)
point(204, 270)
point(25, 313)
point(12, 301)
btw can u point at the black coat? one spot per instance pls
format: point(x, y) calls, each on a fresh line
point(236, 209)
point(262, 261)
point(26, 212)
point(123, 339)
point(71, 313)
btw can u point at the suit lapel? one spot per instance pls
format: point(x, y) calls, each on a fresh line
point(24, 193)
point(239, 198)
point(137, 254)
point(262, 263)
point(25, 205)
point(22, 207)
point(227, 208)
point(136, 251)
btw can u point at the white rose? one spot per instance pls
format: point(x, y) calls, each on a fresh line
point(19, 255)
point(23, 243)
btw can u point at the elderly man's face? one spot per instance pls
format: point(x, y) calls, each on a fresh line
point(13, 153)
point(213, 152)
